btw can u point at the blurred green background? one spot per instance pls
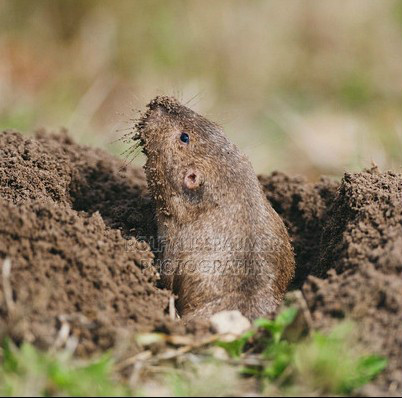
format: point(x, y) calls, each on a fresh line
point(303, 86)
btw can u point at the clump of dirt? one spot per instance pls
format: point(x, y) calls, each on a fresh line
point(73, 220)
point(63, 209)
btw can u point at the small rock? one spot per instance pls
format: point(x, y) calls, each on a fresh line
point(230, 322)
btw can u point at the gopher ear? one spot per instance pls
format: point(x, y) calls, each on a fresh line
point(193, 179)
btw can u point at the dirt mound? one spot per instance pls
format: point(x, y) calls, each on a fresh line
point(362, 242)
point(348, 244)
point(303, 207)
point(69, 263)
point(71, 219)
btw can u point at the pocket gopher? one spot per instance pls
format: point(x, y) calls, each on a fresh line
point(223, 247)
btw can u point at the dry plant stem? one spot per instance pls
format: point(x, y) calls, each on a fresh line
point(8, 292)
point(393, 387)
point(141, 357)
point(172, 308)
point(62, 336)
point(305, 310)
point(183, 350)
point(136, 373)
point(146, 356)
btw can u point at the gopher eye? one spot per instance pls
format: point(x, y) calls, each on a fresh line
point(184, 137)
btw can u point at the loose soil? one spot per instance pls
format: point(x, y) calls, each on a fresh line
point(73, 220)
point(347, 238)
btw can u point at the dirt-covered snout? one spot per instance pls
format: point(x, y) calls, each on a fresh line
point(174, 150)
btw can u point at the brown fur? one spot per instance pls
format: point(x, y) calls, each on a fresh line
point(225, 248)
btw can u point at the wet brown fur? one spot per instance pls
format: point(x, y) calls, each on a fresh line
point(225, 248)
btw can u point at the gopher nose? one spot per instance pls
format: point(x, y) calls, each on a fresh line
point(164, 104)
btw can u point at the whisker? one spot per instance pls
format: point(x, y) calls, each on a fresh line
point(198, 95)
point(131, 137)
point(126, 138)
point(124, 129)
point(130, 154)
